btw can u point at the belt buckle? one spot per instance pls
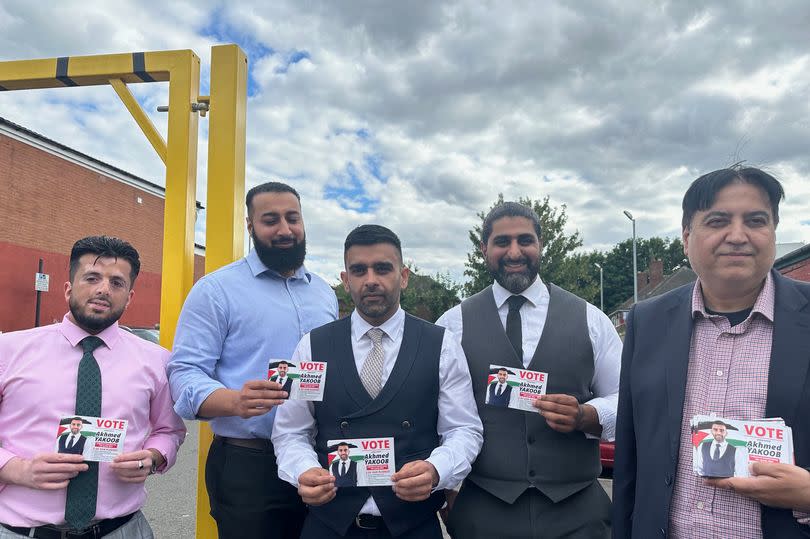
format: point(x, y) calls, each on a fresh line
point(360, 522)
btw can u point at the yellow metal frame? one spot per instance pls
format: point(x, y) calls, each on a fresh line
point(226, 165)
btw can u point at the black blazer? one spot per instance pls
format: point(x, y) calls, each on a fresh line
point(653, 381)
point(77, 449)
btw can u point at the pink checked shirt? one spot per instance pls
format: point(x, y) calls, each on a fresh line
point(38, 369)
point(727, 377)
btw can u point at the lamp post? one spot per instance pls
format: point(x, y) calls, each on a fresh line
point(635, 268)
point(601, 287)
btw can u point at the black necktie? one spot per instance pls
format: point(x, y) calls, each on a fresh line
point(513, 329)
point(343, 471)
point(500, 389)
point(80, 505)
point(716, 451)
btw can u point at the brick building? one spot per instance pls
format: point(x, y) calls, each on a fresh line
point(53, 195)
point(795, 264)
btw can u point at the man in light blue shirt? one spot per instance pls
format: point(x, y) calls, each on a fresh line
point(234, 322)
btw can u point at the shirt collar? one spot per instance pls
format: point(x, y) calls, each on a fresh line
point(535, 293)
point(257, 267)
point(392, 327)
point(74, 334)
point(763, 305)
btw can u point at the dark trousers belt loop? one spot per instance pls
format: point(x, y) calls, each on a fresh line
point(249, 443)
point(369, 522)
point(96, 531)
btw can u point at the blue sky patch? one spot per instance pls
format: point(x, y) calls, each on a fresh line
point(348, 190)
point(806, 222)
point(292, 58)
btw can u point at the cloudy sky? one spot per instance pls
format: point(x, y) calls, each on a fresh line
point(417, 114)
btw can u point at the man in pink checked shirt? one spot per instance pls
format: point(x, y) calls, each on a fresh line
point(736, 344)
point(38, 387)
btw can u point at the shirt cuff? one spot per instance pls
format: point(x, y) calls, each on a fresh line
point(607, 418)
point(194, 396)
point(802, 517)
point(5, 456)
point(444, 467)
point(167, 446)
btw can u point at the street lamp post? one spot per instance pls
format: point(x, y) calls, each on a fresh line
point(601, 287)
point(635, 267)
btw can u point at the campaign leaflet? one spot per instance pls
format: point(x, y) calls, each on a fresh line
point(361, 462)
point(304, 381)
point(725, 447)
point(509, 387)
point(96, 438)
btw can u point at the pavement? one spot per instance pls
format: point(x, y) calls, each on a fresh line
point(172, 497)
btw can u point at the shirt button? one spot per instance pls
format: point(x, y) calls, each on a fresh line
point(700, 505)
point(344, 424)
point(719, 372)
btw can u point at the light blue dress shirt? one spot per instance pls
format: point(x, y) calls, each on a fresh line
point(234, 322)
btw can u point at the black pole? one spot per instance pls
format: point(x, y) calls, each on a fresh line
point(36, 316)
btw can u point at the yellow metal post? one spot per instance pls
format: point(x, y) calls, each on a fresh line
point(225, 214)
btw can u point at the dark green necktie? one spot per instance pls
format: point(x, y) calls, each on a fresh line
point(80, 506)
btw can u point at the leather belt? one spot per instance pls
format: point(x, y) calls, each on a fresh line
point(96, 531)
point(369, 522)
point(249, 443)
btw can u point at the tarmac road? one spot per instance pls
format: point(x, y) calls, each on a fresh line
point(172, 497)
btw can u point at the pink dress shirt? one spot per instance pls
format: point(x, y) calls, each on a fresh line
point(727, 377)
point(38, 369)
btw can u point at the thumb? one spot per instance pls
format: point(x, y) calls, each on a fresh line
point(763, 468)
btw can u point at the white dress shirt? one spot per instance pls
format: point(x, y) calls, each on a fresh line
point(607, 346)
point(458, 425)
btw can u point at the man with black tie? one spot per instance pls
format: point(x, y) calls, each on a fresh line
point(736, 344)
point(344, 469)
point(282, 378)
point(500, 391)
point(390, 375)
point(537, 473)
point(73, 442)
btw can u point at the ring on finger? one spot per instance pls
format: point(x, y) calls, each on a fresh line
point(140, 465)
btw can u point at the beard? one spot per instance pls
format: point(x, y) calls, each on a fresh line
point(378, 309)
point(515, 282)
point(93, 323)
point(281, 259)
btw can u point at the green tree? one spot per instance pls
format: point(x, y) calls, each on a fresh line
point(619, 265)
point(556, 246)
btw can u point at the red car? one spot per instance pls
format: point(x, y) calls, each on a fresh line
point(606, 450)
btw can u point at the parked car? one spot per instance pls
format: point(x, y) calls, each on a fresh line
point(147, 334)
point(606, 451)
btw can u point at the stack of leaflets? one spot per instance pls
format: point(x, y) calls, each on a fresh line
point(303, 381)
point(725, 447)
point(361, 462)
point(98, 439)
point(509, 387)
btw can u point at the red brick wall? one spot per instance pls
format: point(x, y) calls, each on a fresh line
point(799, 271)
point(46, 204)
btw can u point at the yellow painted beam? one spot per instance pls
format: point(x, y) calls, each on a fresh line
point(225, 212)
point(181, 185)
point(143, 121)
point(84, 70)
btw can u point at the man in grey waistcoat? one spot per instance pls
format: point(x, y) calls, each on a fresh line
point(536, 475)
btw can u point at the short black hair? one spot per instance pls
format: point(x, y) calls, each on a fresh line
point(343, 443)
point(76, 418)
point(504, 369)
point(108, 247)
point(372, 235)
point(269, 187)
point(702, 193)
point(509, 209)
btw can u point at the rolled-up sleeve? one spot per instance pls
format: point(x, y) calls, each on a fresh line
point(201, 330)
point(607, 358)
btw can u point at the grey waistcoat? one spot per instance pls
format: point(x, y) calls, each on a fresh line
point(520, 450)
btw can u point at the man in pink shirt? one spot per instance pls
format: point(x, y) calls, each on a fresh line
point(55, 495)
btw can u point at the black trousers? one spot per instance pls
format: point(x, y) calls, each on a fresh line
point(248, 500)
point(477, 514)
point(315, 529)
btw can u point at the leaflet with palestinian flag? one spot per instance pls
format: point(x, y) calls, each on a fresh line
point(509, 387)
point(98, 439)
point(304, 381)
point(725, 447)
point(361, 462)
